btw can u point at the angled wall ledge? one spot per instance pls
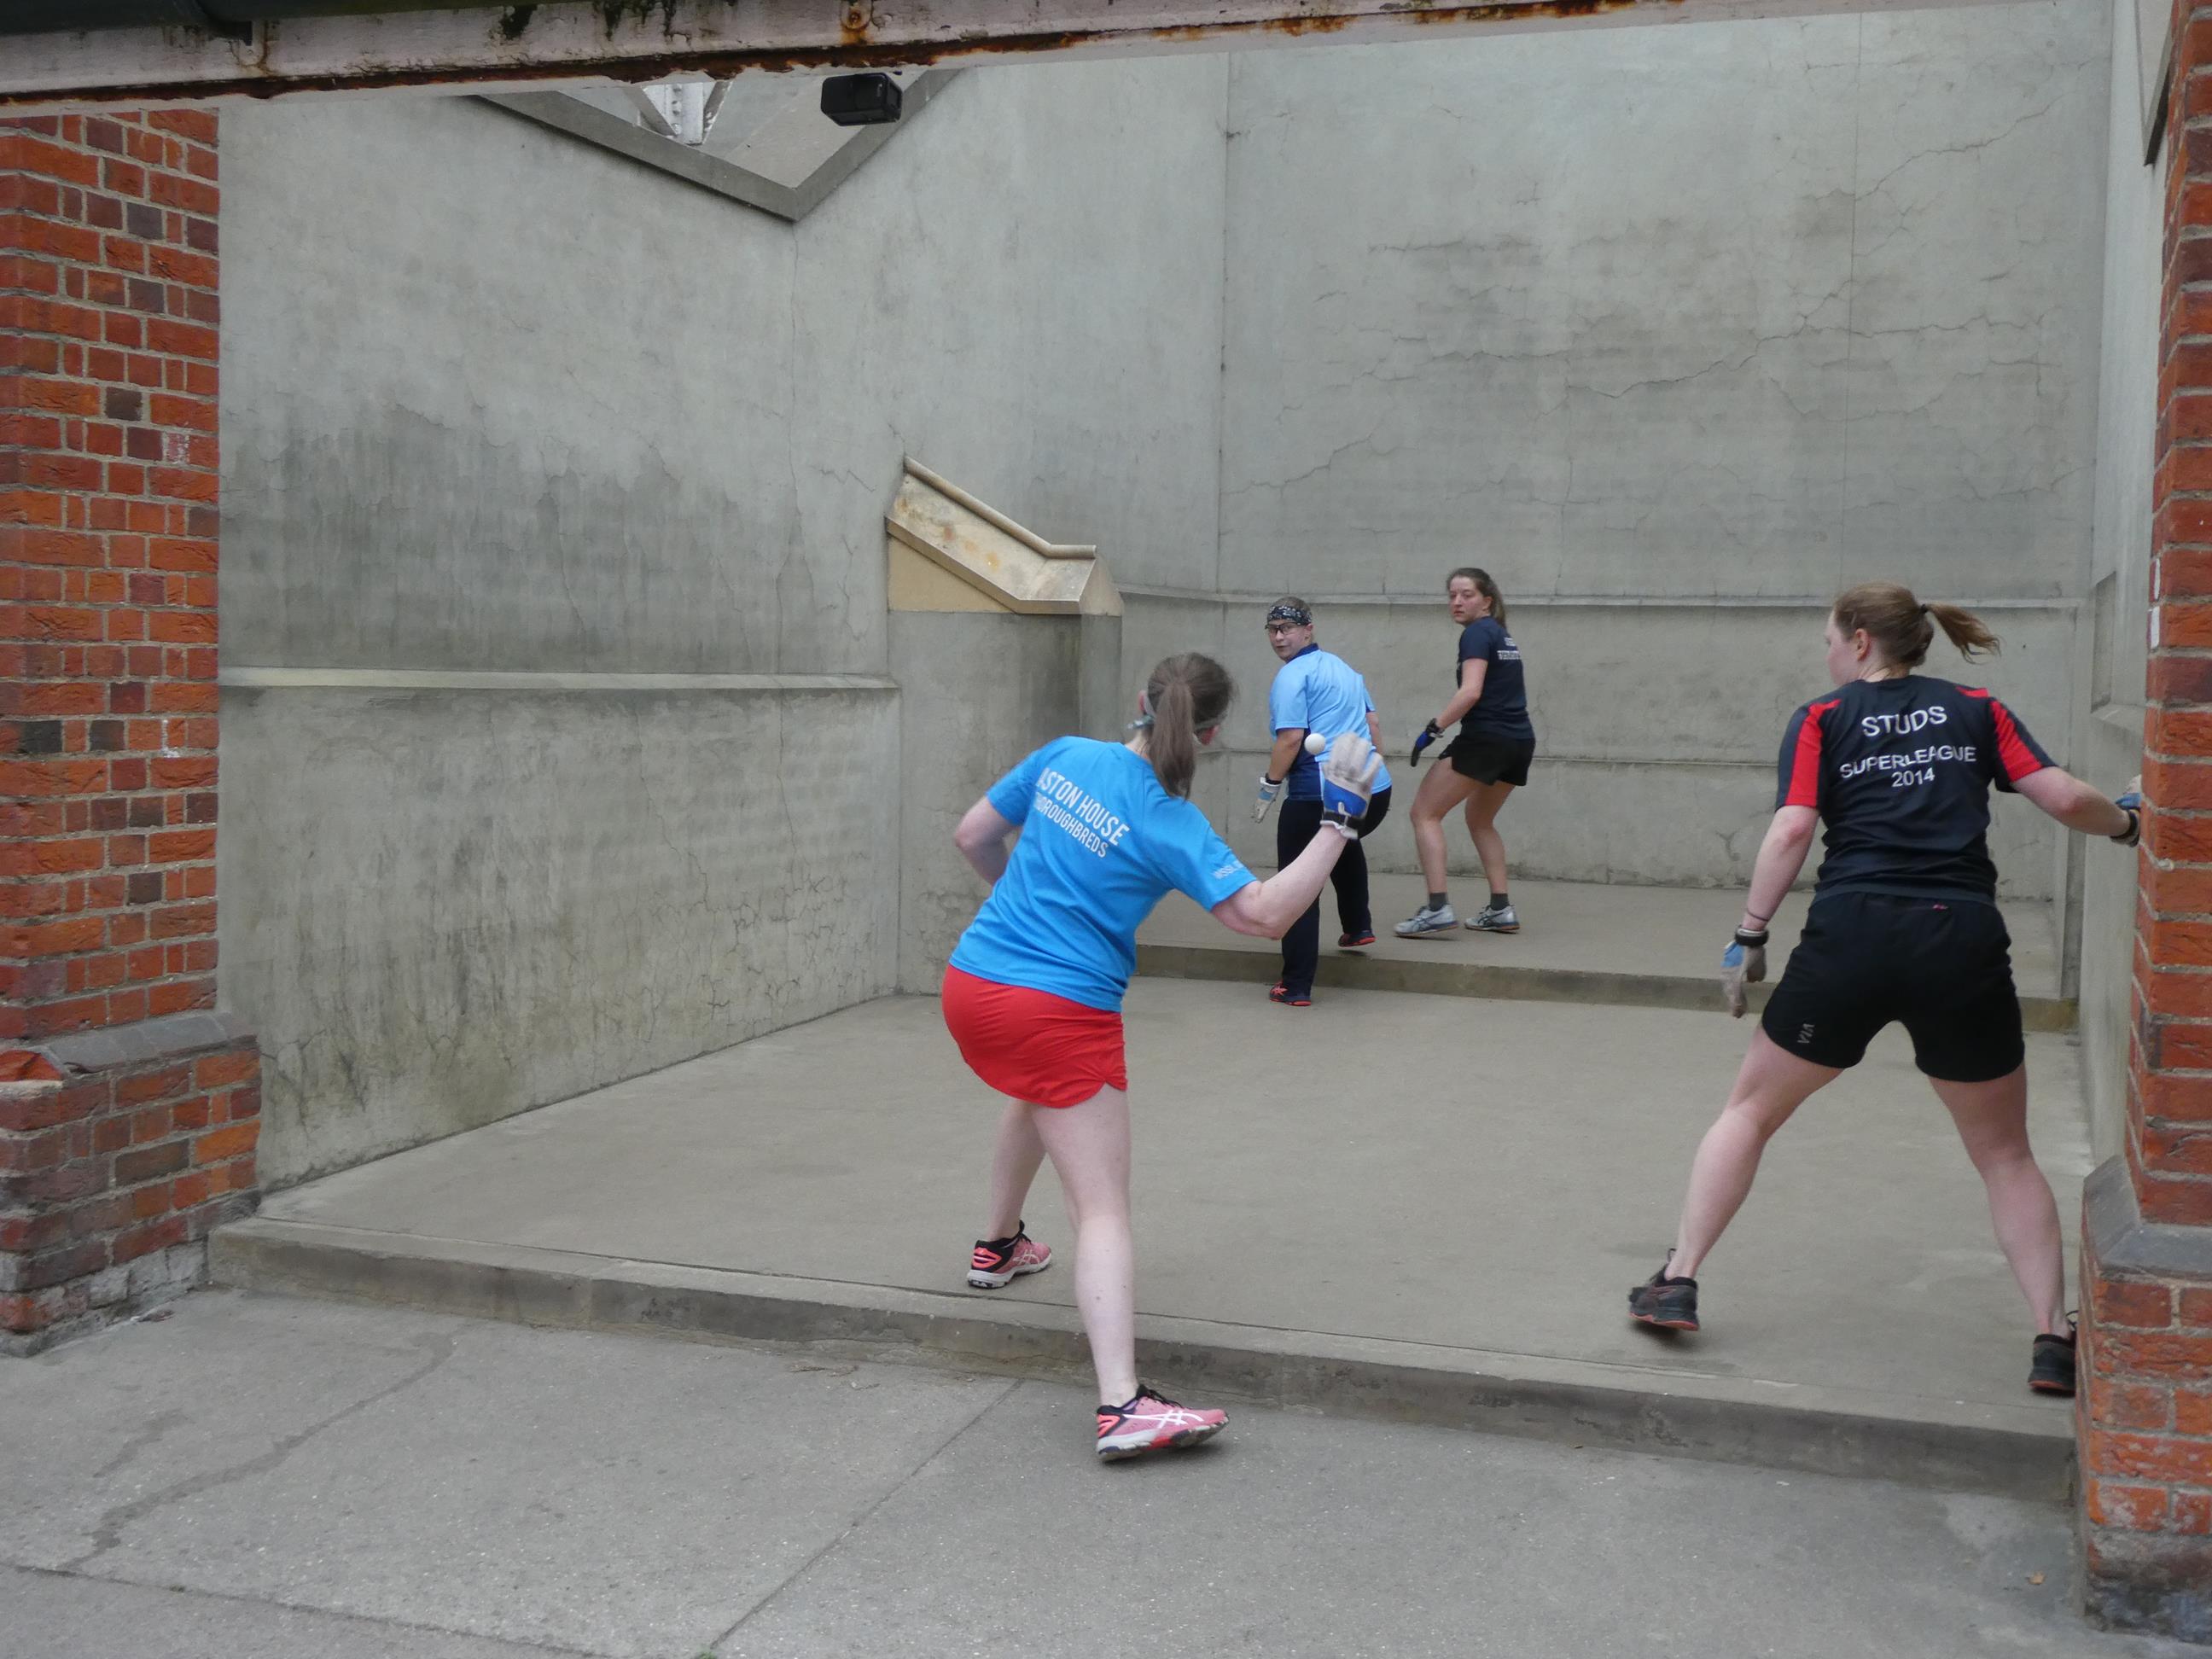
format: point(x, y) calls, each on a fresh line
point(785, 163)
point(949, 551)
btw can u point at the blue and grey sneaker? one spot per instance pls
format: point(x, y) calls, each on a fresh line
point(1426, 921)
point(1494, 919)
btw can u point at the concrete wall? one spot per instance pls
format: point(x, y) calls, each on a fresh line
point(1677, 331)
point(498, 401)
point(2110, 661)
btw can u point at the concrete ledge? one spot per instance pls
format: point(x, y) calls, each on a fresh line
point(145, 1042)
point(1501, 982)
point(2004, 1451)
point(245, 679)
point(2122, 1243)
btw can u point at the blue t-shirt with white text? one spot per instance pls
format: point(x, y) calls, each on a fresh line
point(1101, 843)
point(1321, 692)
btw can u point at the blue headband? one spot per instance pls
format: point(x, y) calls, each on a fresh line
point(1292, 613)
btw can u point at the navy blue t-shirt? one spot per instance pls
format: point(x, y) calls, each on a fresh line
point(1900, 771)
point(1503, 712)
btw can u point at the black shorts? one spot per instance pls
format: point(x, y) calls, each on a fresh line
point(1488, 759)
point(1943, 967)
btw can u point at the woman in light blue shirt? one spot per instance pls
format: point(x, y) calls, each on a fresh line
point(1316, 692)
point(1033, 991)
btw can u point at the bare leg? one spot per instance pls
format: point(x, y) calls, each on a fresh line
point(1440, 791)
point(1090, 1149)
point(1770, 1086)
point(1992, 1122)
point(1014, 1163)
point(1482, 824)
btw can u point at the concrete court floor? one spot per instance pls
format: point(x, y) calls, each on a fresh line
point(1586, 926)
point(265, 1478)
point(1482, 1175)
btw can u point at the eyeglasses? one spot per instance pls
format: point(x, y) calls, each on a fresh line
point(1285, 628)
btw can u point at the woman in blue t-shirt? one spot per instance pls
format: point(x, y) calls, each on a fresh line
point(1033, 992)
point(1483, 764)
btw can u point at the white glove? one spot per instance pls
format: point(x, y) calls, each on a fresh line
point(1348, 772)
point(1269, 788)
point(1744, 963)
point(2130, 800)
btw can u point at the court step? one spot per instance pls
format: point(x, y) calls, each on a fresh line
point(1499, 980)
point(2023, 1451)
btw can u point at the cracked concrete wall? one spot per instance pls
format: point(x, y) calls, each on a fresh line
point(496, 401)
point(1677, 332)
point(445, 907)
point(2112, 656)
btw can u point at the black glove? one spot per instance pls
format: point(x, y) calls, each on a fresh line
point(1429, 734)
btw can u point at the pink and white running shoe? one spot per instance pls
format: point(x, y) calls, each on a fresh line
point(1150, 1421)
point(997, 1262)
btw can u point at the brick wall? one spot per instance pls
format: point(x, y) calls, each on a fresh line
point(2145, 1413)
point(110, 1151)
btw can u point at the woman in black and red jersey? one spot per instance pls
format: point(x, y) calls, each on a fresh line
point(1903, 926)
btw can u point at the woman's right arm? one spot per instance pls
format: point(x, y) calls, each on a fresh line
point(1267, 909)
point(982, 839)
point(2074, 803)
point(1472, 673)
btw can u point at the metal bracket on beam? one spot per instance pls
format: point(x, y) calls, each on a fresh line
point(194, 16)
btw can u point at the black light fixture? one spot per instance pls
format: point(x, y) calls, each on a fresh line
point(860, 100)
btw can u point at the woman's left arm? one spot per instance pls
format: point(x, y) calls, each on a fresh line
point(981, 838)
point(1781, 856)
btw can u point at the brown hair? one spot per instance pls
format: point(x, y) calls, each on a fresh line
point(1484, 586)
point(1902, 627)
point(1185, 694)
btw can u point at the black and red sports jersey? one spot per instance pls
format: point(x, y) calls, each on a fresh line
point(1901, 771)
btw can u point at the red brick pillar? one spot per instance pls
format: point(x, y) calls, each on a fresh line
point(2145, 1415)
point(129, 1104)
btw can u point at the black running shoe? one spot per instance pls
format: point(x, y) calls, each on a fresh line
point(1669, 1304)
point(2050, 1364)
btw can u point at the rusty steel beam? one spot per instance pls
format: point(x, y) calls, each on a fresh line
point(348, 45)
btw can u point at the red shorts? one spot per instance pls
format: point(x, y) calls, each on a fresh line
point(1033, 1045)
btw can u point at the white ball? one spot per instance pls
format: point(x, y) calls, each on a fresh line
point(1315, 743)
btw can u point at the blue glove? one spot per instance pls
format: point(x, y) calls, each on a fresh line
point(2130, 800)
point(1348, 772)
point(1744, 963)
point(1429, 734)
point(1269, 788)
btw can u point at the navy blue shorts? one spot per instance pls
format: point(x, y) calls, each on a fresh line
point(1487, 759)
point(1942, 966)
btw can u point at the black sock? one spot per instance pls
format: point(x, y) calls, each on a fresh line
point(1499, 901)
point(1436, 901)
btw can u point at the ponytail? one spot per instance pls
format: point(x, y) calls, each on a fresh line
point(1963, 628)
point(1903, 628)
point(1185, 696)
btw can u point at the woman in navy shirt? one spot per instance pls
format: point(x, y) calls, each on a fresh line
point(1033, 991)
point(1485, 763)
point(1904, 926)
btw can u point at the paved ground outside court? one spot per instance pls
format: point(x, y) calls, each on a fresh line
point(262, 1478)
point(1482, 1175)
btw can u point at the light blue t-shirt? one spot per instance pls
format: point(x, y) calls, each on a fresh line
point(1321, 692)
point(1101, 843)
